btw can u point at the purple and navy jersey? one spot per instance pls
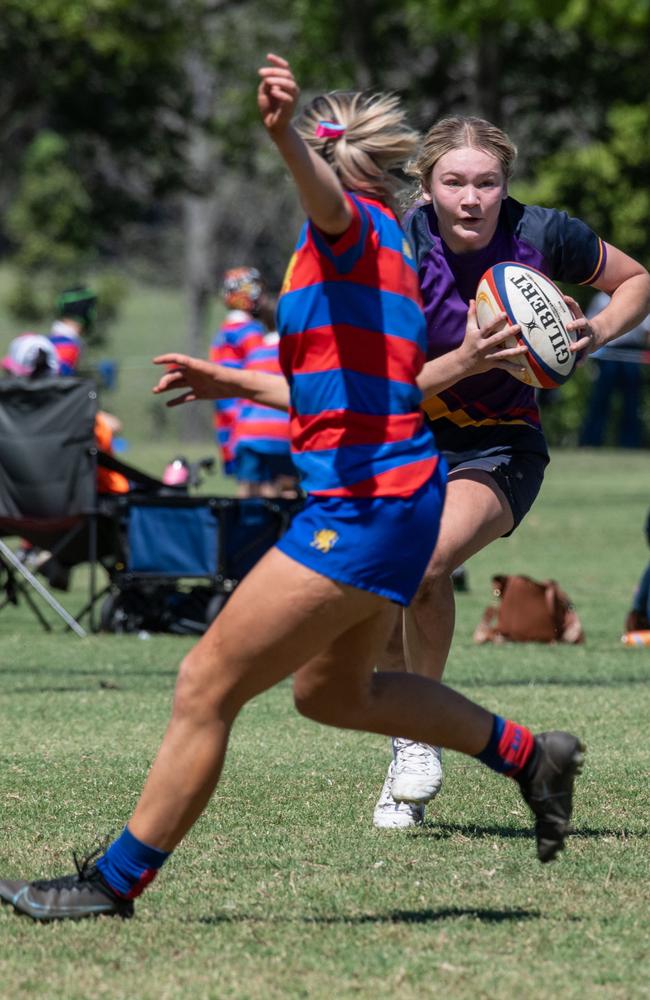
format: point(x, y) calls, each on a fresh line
point(352, 341)
point(260, 427)
point(238, 335)
point(481, 406)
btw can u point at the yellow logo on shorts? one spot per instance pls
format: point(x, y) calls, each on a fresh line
point(324, 539)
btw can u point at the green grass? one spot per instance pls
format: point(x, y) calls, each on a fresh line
point(283, 888)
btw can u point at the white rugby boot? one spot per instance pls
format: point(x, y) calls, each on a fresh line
point(417, 776)
point(392, 815)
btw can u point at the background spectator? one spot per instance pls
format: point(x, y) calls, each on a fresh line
point(618, 373)
point(240, 332)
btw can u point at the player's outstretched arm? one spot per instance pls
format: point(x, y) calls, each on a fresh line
point(482, 349)
point(320, 191)
point(205, 380)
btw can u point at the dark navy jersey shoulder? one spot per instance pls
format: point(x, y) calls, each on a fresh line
point(573, 251)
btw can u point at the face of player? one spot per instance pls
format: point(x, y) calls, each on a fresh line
point(467, 188)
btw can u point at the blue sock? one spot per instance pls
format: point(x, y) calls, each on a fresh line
point(129, 865)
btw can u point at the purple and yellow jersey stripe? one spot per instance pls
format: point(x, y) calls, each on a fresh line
point(352, 343)
point(562, 248)
point(260, 427)
point(236, 338)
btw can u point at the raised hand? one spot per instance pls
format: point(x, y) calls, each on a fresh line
point(202, 379)
point(277, 94)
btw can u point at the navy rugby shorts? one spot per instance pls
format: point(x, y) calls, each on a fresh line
point(518, 474)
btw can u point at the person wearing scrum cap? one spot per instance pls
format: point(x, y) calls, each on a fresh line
point(75, 311)
point(253, 439)
point(243, 294)
point(487, 425)
point(30, 355)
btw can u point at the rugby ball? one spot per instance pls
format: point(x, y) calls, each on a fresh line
point(530, 299)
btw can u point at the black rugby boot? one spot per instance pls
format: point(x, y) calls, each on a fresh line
point(69, 897)
point(547, 786)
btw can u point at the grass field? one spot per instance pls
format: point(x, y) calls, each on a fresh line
point(283, 889)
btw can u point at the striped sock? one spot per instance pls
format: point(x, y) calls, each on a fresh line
point(509, 748)
point(129, 865)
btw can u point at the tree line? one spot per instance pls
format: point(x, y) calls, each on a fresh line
point(130, 137)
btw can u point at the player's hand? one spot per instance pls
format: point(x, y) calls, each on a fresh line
point(485, 347)
point(277, 94)
point(202, 379)
point(584, 344)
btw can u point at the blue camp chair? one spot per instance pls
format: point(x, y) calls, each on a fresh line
point(184, 555)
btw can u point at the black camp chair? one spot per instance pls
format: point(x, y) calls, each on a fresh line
point(48, 484)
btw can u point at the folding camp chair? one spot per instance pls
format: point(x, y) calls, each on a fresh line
point(48, 483)
point(183, 556)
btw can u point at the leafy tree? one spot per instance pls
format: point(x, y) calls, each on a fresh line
point(605, 182)
point(106, 74)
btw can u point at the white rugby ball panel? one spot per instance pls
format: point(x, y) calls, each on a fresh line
point(533, 301)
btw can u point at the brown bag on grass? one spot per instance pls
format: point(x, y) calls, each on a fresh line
point(529, 611)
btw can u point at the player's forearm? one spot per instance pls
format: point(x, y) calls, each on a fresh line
point(261, 387)
point(442, 372)
point(320, 189)
point(629, 306)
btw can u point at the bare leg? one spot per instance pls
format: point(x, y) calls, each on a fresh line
point(475, 513)
point(280, 616)
point(327, 691)
point(283, 615)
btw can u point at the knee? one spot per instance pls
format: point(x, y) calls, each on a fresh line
point(328, 704)
point(314, 703)
point(436, 582)
point(203, 694)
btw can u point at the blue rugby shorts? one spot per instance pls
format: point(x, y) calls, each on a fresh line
point(380, 544)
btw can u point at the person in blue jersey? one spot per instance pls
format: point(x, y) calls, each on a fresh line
point(319, 605)
point(618, 374)
point(76, 310)
point(241, 331)
point(263, 465)
point(487, 425)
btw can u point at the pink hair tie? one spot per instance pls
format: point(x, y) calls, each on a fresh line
point(329, 130)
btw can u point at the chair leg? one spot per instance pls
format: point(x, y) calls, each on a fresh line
point(90, 605)
point(10, 557)
point(33, 605)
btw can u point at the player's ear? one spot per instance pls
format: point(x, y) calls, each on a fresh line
point(426, 189)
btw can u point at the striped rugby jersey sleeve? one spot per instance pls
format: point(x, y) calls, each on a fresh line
point(345, 250)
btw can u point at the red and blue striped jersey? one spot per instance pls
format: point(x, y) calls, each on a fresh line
point(352, 343)
point(238, 335)
point(67, 344)
point(260, 427)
